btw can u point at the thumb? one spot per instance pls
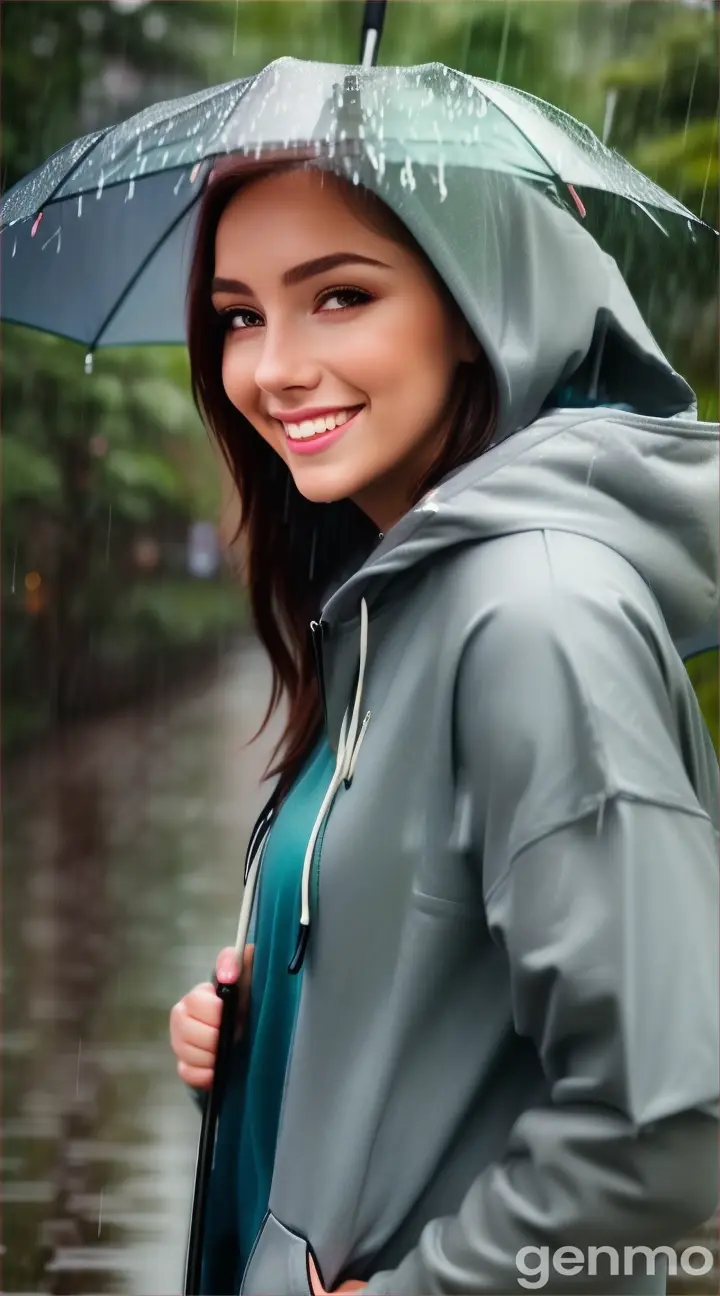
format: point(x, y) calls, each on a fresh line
point(227, 969)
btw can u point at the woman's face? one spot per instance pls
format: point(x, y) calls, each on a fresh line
point(327, 317)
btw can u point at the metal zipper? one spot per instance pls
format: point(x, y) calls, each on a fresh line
point(317, 629)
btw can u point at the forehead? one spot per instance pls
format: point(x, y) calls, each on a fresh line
point(278, 213)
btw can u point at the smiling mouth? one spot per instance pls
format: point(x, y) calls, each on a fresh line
point(320, 426)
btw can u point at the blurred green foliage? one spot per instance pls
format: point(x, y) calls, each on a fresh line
point(102, 472)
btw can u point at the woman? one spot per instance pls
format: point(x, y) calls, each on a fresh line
point(492, 1033)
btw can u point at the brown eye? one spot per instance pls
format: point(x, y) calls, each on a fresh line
point(350, 296)
point(234, 321)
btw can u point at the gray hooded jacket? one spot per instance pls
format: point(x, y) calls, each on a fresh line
point(507, 1035)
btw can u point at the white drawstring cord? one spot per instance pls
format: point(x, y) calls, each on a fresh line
point(247, 903)
point(344, 767)
point(352, 736)
point(348, 748)
point(361, 735)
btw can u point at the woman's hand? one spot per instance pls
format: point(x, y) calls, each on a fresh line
point(350, 1285)
point(195, 1020)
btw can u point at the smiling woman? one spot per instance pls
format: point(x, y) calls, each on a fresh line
point(496, 815)
point(280, 337)
point(390, 353)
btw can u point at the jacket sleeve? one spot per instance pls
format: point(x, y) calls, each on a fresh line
point(600, 871)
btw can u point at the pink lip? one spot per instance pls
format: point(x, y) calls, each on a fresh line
point(318, 411)
point(313, 445)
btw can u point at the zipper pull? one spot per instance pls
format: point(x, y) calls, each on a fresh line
point(317, 630)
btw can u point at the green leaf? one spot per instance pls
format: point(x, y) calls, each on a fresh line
point(165, 404)
point(143, 471)
point(27, 473)
point(676, 148)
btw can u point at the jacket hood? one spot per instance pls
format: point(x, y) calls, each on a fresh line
point(549, 306)
point(597, 433)
point(646, 487)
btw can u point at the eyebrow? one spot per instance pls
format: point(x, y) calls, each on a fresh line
point(299, 273)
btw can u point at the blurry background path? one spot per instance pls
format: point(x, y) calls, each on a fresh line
point(124, 843)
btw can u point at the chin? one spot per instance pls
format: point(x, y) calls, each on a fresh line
point(325, 488)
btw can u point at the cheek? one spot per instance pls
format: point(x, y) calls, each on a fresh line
point(411, 354)
point(237, 377)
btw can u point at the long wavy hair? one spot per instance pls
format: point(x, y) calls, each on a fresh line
point(294, 548)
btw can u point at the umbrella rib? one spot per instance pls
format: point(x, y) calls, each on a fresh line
point(140, 270)
point(165, 235)
point(555, 174)
point(248, 83)
point(71, 170)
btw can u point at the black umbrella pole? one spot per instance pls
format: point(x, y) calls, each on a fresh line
point(193, 1270)
point(372, 27)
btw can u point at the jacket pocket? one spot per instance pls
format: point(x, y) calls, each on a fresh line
point(278, 1264)
point(444, 907)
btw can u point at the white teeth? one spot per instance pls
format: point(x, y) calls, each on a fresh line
point(313, 427)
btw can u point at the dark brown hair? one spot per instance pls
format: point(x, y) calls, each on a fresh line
point(295, 548)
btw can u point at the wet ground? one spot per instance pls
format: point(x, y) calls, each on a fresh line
point(123, 853)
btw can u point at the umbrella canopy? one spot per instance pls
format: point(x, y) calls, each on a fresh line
point(95, 244)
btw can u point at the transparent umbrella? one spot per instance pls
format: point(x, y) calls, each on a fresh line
point(95, 243)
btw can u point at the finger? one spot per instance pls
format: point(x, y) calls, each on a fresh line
point(196, 1077)
point(199, 1035)
point(203, 1005)
point(227, 969)
point(196, 1057)
point(315, 1284)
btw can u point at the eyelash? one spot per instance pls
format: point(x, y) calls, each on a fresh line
point(233, 312)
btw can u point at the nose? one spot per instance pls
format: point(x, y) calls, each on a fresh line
point(285, 361)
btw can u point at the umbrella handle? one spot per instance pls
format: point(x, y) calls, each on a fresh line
point(372, 27)
point(228, 994)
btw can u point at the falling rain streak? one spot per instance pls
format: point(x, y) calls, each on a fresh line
point(57, 235)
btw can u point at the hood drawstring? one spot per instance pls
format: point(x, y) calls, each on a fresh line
point(348, 749)
point(258, 839)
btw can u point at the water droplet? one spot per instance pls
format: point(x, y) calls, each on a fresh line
point(441, 180)
point(407, 178)
point(80, 205)
point(89, 362)
point(131, 191)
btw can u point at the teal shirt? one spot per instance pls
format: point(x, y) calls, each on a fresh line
point(250, 1117)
